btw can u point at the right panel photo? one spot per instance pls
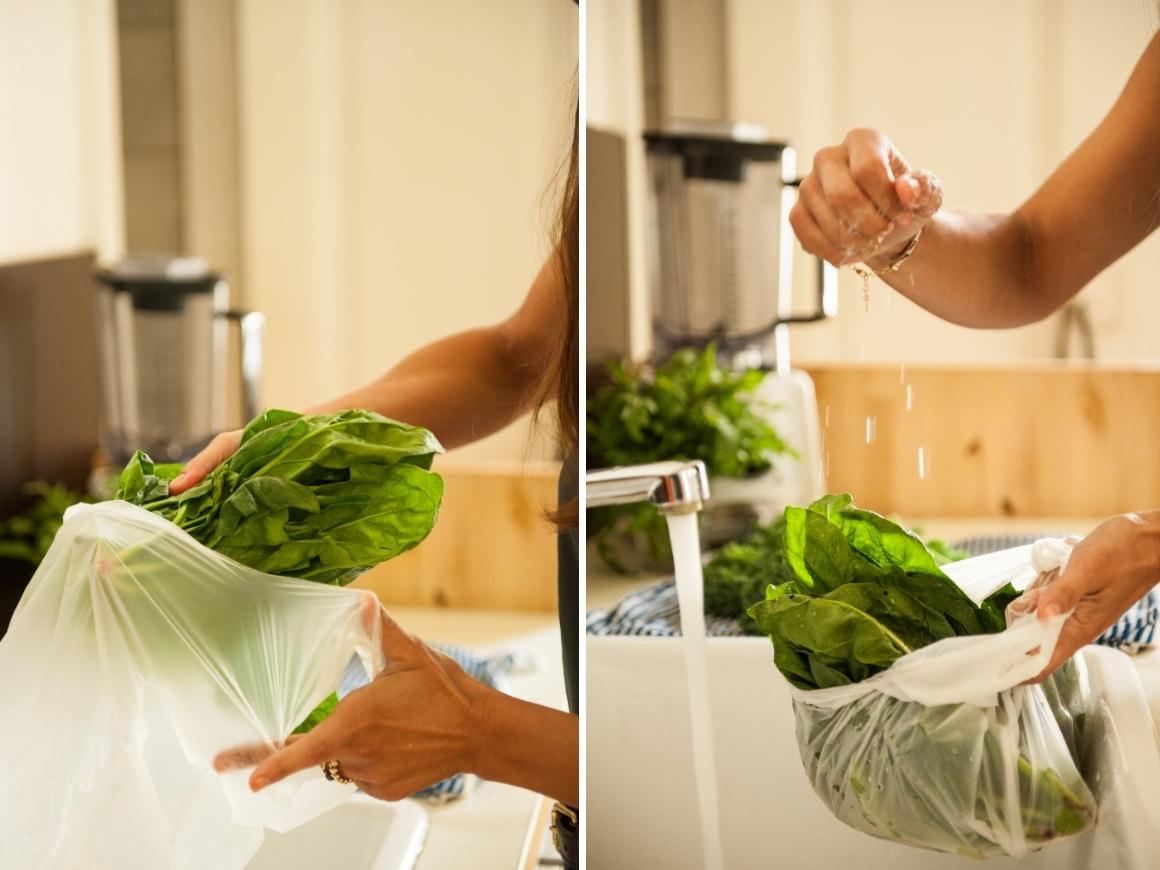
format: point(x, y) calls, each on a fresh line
point(873, 405)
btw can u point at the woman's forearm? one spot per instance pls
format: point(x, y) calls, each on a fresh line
point(462, 387)
point(530, 746)
point(974, 270)
point(474, 383)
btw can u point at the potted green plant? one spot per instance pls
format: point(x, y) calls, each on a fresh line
point(688, 407)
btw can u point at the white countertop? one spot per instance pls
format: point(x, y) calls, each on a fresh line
point(491, 823)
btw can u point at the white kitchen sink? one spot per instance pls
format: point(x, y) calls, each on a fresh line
point(641, 804)
point(361, 833)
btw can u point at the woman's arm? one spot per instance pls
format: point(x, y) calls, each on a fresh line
point(530, 746)
point(462, 387)
point(421, 720)
point(865, 203)
point(474, 383)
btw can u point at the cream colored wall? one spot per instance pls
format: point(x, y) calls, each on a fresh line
point(990, 95)
point(615, 103)
point(60, 177)
point(395, 160)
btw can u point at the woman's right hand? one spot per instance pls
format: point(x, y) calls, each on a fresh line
point(862, 202)
point(221, 448)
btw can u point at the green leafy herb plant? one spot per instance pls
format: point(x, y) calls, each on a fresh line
point(688, 407)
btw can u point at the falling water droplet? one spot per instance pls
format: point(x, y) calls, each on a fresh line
point(910, 397)
point(826, 416)
point(871, 429)
point(921, 464)
point(902, 373)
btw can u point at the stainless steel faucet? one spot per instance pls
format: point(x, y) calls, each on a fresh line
point(673, 487)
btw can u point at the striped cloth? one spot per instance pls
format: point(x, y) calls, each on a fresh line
point(489, 671)
point(654, 611)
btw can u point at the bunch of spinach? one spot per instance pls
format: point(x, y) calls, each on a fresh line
point(739, 572)
point(862, 591)
point(852, 592)
point(688, 407)
point(321, 498)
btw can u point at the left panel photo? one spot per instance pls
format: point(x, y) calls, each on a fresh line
point(289, 381)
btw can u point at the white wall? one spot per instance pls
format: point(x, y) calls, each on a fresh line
point(60, 177)
point(395, 165)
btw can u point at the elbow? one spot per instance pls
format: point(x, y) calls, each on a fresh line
point(1037, 293)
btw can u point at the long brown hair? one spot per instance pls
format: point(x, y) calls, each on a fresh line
point(561, 381)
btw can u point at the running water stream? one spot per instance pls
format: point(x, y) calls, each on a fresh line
point(691, 597)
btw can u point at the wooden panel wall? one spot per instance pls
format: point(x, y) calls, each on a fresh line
point(491, 547)
point(1046, 440)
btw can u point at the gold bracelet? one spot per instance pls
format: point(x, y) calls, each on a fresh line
point(864, 273)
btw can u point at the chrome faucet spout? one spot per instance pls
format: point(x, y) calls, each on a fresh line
point(673, 487)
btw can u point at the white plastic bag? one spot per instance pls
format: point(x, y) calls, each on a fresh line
point(135, 656)
point(946, 749)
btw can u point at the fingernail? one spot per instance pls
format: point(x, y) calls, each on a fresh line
point(258, 783)
point(1051, 611)
point(913, 185)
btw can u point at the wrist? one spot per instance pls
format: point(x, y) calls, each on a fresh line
point(483, 724)
point(886, 257)
point(1148, 551)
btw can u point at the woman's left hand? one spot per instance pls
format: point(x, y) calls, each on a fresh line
point(1107, 572)
point(410, 727)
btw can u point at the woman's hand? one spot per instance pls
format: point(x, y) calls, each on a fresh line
point(222, 447)
point(1107, 572)
point(862, 202)
point(421, 720)
point(411, 726)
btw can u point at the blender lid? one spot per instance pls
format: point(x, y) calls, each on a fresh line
point(158, 269)
point(159, 283)
point(739, 141)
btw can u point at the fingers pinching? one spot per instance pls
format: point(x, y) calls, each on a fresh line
point(398, 643)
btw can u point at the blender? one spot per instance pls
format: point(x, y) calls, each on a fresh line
point(163, 346)
point(720, 252)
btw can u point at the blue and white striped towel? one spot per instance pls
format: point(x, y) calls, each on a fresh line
point(489, 671)
point(654, 612)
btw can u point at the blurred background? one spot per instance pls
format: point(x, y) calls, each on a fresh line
point(368, 176)
point(911, 414)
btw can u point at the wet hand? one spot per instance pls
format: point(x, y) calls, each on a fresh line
point(221, 448)
point(1107, 572)
point(862, 202)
